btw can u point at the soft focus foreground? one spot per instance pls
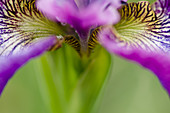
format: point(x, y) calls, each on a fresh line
point(131, 89)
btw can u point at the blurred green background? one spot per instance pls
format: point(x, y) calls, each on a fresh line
point(130, 89)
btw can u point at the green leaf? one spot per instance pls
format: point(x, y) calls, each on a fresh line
point(49, 92)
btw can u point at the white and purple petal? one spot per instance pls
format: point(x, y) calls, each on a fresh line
point(20, 28)
point(142, 35)
point(20, 25)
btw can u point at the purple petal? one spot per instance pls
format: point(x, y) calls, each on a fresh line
point(162, 7)
point(157, 62)
point(79, 15)
point(148, 45)
point(85, 3)
point(141, 27)
point(9, 65)
point(21, 26)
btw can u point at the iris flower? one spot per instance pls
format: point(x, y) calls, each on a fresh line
point(136, 31)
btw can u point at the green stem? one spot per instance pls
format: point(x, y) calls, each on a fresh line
point(70, 84)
